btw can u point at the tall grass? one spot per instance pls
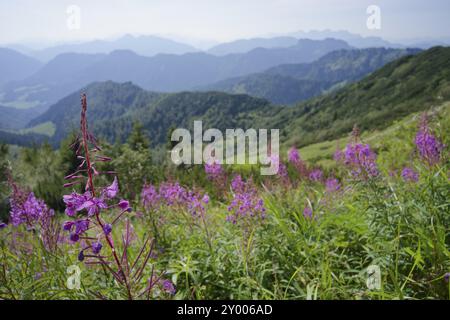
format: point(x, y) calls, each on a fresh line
point(399, 225)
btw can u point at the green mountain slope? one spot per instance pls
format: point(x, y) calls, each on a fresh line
point(407, 85)
point(113, 108)
point(292, 83)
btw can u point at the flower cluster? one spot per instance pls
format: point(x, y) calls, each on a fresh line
point(361, 159)
point(238, 185)
point(245, 202)
point(307, 212)
point(427, 144)
point(338, 155)
point(168, 286)
point(294, 156)
point(76, 228)
point(91, 206)
point(197, 204)
point(213, 170)
point(409, 175)
point(174, 195)
point(150, 197)
point(34, 214)
point(86, 207)
point(332, 185)
point(27, 209)
point(316, 175)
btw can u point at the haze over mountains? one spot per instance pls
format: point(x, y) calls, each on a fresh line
point(290, 83)
point(16, 66)
point(134, 80)
point(142, 45)
point(406, 85)
point(163, 72)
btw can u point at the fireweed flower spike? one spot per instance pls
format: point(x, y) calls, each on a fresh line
point(316, 175)
point(26, 209)
point(332, 185)
point(427, 144)
point(409, 175)
point(245, 205)
point(307, 212)
point(359, 158)
point(293, 156)
point(213, 170)
point(168, 287)
point(295, 159)
point(90, 205)
point(150, 197)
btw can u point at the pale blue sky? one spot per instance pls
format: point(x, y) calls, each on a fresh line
point(44, 21)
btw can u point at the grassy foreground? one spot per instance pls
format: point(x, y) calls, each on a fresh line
point(310, 242)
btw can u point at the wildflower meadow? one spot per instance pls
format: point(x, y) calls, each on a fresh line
point(95, 221)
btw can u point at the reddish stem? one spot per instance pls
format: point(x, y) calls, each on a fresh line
point(92, 189)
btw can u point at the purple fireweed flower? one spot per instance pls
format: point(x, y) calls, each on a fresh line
point(409, 175)
point(338, 155)
point(81, 226)
point(316, 175)
point(307, 212)
point(30, 211)
point(107, 228)
point(213, 169)
point(93, 206)
point(67, 226)
point(96, 247)
point(74, 202)
point(294, 156)
point(124, 205)
point(237, 184)
point(74, 237)
point(427, 144)
point(168, 287)
point(361, 159)
point(111, 191)
point(173, 193)
point(245, 202)
point(81, 256)
point(196, 204)
point(332, 185)
point(150, 197)
point(282, 170)
point(244, 205)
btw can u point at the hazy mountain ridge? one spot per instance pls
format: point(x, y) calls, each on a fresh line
point(16, 66)
point(291, 83)
point(142, 45)
point(407, 85)
point(14, 119)
point(354, 40)
point(246, 45)
point(168, 73)
point(404, 86)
